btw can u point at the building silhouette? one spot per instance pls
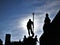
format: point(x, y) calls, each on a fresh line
point(1, 42)
point(16, 43)
point(51, 35)
point(7, 39)
point(26, 40)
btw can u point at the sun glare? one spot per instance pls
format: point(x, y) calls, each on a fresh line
point(25, 20)
point(37, 24)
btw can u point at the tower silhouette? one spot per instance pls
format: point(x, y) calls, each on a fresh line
point(7, 39)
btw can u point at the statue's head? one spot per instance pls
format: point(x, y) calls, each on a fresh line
point(29, 19)
point(46, 14)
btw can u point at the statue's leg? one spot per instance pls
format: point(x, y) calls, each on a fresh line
point(32, 33)
point(29, 32)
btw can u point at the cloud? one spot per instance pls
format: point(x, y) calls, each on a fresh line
point(50, 7)
point(10, 23)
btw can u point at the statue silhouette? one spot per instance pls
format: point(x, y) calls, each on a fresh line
point(47, 19)
point(29, 27)
point(46, 23)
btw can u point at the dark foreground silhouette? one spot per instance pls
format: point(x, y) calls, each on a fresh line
point(51, 34)
point(26, 41)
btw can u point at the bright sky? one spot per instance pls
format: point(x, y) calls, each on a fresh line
point(14, 15)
